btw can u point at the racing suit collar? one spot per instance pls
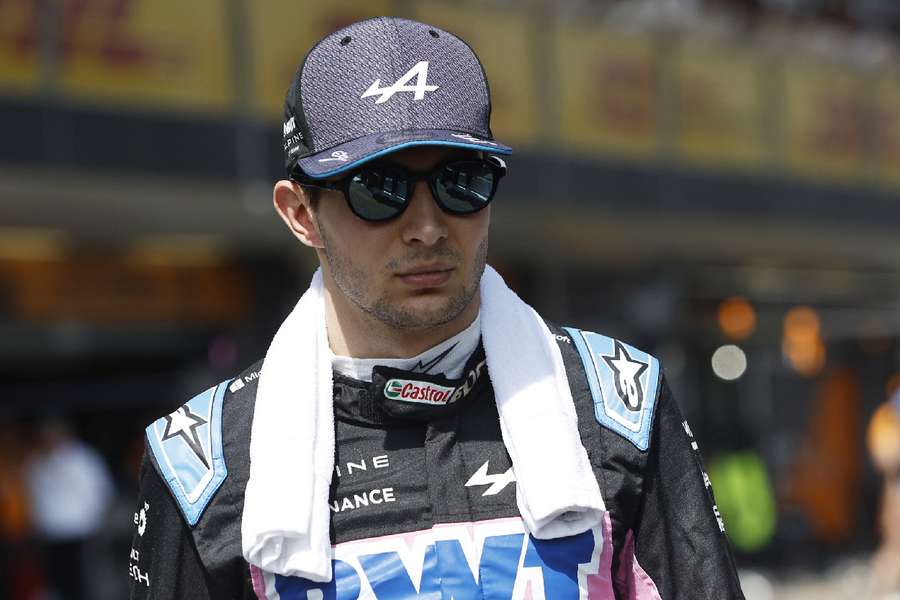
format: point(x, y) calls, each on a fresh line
point(397, 395)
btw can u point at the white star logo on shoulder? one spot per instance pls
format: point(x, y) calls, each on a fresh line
point(184, 423)
point(497, 482)
point(628, 373)
point(419, 71)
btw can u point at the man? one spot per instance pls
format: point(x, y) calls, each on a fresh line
point(416, 429)
point(65, 528)
point(884, 447)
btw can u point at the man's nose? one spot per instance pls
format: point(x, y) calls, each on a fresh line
point(423, 221)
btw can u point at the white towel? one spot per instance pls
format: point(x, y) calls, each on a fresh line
point(556, 490)
point(285, 527)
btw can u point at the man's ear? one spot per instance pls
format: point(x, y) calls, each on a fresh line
point(293, 206)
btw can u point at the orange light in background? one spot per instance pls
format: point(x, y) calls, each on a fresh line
point(801, 322)
point(802, 343)
point(737, 319)
point(892, 385)
point(883, 438)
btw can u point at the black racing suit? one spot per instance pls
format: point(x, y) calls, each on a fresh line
point(410, 517)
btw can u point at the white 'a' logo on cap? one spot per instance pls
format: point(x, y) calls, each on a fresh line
point(419, 71)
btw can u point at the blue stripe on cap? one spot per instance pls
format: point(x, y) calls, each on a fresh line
point(365, 159)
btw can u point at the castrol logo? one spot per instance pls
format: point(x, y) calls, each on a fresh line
point(421, 392)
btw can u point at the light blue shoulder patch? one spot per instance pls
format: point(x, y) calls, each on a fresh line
point(623, 382)
point(187, 445)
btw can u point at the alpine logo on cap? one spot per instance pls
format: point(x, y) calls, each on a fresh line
point(421, 392)
point(419, 71)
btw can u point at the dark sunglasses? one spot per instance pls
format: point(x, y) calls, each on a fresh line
point(380, 191)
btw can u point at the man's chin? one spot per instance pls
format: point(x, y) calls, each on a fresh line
point(422, 311)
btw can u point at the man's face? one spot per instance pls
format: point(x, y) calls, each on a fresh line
point(419, 270)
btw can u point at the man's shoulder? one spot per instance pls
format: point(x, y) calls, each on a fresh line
point(620, 381)
point(245, 382)
point(195, 446)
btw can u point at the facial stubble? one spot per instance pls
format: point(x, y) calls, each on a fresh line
point(352, 282)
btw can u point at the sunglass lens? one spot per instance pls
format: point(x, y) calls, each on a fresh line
point(465, 187)
point(377, 195)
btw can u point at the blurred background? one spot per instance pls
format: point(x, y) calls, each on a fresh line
point(714, 181)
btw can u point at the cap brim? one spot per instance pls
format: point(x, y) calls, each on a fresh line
point(350, 155)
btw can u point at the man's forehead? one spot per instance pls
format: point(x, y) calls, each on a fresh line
point(422, 158)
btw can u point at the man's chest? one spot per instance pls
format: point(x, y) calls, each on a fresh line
point(429, 510)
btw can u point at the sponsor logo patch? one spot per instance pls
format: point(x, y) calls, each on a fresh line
point(496, 482)
point(488, 559)
point(420, 392)
point(140, 519)
point(471, 138)
point(185, 424)
point(187, 445)
point(627, 376)
point(337, 155)
point(623, 381)
point(419, 72)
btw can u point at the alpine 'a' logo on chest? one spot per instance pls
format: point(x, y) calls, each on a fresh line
point(419, 71)
point(496, 482)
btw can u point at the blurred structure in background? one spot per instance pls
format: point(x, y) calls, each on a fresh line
point(715, 181)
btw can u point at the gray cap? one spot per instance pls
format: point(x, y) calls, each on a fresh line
point(380, 85)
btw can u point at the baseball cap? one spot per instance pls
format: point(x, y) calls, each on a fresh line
point(380, 85)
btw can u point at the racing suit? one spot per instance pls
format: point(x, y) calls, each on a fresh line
point(423, 497)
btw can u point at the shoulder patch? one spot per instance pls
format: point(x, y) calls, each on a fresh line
point(187, 446)
point(623, 383)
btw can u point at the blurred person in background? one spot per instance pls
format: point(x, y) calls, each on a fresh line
point(412, 411)
point(18, 576)
point(884, 446)
point(69, 491)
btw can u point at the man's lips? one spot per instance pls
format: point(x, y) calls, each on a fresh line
point(427, 276)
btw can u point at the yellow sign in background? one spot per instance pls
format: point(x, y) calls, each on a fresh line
point(151, 53)
point(502, 40)
point(886, 129)
point(20, 45)
point(720, 113)
point(823, 117)
point(281, 32)
point(596, 91)
point(607, 90)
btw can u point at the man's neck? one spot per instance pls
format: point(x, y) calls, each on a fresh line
point(353, 332)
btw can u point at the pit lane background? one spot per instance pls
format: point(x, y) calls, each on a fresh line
point(684, 191)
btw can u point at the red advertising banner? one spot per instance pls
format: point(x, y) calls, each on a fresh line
point(503, 41)
point(19, 45)
point(151, 53)
point(886, 130)
point(720, 112)
point(823, 118)
point(280, 34)
point(607, 91)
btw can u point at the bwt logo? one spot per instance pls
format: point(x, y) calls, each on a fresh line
point(491, 560)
